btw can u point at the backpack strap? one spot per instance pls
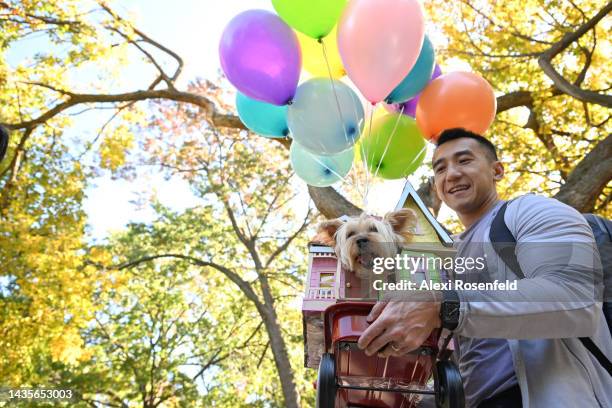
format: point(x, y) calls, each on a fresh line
point(604, 226)
point(597, 353)
point(504, 244)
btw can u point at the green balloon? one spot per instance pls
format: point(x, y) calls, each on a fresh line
point(315, 18)
point(405, 151)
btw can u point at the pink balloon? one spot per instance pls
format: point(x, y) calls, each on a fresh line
point(379, 42)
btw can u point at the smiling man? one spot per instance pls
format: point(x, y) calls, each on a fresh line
point(521, 347)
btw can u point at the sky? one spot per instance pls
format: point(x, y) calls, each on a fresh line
point(193, 29)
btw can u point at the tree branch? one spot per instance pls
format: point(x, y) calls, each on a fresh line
point(589, 177)
point(286, 244)
point(332, 204)
point(244, 286)
point(545, 62)
point(208, 107)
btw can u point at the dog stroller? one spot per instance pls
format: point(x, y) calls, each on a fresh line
point(335, 307)
point(334, 318)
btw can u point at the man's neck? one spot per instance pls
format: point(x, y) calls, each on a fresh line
point(469, 219)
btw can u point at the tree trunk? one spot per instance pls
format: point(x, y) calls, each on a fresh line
point(332, 204)
point(589, 177)
point(281, 357)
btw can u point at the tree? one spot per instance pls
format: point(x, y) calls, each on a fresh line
point(258, 245)
point(157, 333)
point(545, 58)
point(548, 58)
point(504, 42)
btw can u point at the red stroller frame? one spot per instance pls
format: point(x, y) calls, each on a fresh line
point(349, 378)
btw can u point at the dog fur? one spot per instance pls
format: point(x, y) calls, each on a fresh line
point(359, 240)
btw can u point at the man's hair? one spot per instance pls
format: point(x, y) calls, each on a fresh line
point(4, 139)
point(457, 133)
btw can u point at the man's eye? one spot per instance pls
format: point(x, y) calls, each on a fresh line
point(439, 169)
point(464, 161)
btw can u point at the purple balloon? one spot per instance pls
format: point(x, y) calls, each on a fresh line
point(261, 56)
point(409, 107)
point(437, 72)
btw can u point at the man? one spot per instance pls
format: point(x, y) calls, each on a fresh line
point(4, 138)
point(515, 347)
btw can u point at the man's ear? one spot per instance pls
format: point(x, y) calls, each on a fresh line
point(403, 221)
point(326, 232)
point(498, 171)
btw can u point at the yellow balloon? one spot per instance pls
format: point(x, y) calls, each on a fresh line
point(357, 150)
point(379, 112)
point(313, 59)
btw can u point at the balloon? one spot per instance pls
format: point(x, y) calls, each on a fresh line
point(263, 118)
point(320, 171)
point(260, 56)
point(380, 42)
point(315, 18)
point(314, 59)
point(418, 77)
point(437, 72)
point(356, 150)
point(456, 99)
point(395, 148)
point(409, 107)
point(379, 112)
point(315, 121)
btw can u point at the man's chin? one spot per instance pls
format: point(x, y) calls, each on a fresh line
point(459, 204)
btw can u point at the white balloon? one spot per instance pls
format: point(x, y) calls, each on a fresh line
point(325, 117)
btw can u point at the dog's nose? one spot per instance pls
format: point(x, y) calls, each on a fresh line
point(362, 241)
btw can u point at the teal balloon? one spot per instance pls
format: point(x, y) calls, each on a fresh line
point(418, 77)
point(322, 124)
point(264, 118)
point(320, 171)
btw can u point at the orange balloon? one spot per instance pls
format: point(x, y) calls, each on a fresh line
point(456, 100)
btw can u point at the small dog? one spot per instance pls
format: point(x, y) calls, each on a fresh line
point(358, 241)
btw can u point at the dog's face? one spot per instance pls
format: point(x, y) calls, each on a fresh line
point(360, 240)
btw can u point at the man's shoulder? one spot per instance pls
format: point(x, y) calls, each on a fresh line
point(537, 204)
point(535, 212)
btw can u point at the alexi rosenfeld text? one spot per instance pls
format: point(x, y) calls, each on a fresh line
point(458, 265)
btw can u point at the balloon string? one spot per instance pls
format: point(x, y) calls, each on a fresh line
point(331, 80)
point(416, 157)
point(360, 126)
point(367, 189)
point(343, 179)
point(389, 140)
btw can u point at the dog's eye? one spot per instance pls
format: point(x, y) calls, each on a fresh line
point(373, 229)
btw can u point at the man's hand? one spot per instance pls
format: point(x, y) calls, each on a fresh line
point(403, 325)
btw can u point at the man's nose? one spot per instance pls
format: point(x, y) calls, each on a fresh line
point(452, 172)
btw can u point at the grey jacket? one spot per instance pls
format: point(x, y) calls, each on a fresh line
point(553, 306)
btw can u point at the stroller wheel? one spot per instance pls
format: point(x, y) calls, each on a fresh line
point(448, 386)
point(326, 382)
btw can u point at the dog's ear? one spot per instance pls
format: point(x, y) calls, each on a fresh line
point(403, 221)
point(326, 232)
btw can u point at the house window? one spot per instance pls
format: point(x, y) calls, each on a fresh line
point(326, 280)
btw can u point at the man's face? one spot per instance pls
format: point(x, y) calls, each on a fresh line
point(465, 175)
